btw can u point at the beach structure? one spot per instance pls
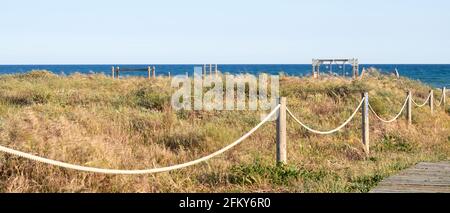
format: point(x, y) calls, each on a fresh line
point(209, 68)
point(151, 71)
point(316, 63)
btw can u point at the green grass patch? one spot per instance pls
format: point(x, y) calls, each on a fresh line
point(394, 143)
point(365, 183)
point(257, 172)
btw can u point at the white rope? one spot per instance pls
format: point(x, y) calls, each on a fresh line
point(442, 100)
point(421, 105)
point(134, 172)
point(393, 119)
point(331, 131)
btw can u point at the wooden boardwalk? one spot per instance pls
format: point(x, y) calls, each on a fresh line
point(422, 178)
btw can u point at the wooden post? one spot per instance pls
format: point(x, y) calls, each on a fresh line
point(113, 72)
point(168, 74)
point(409, 108)
point(331, 67)
point(204, 70)
point(396, 73)
point(154, 72)
point(118, 72)
point(210, 70)
point(281, 132)
point(445, 96)
point(149, 70)
point(216, 71)
point(318, 70)
point(365, 122)
point(343, 69)
point(431, 101)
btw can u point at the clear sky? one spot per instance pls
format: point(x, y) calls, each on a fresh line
point(229, 31)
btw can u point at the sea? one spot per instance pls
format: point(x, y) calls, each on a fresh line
point(435, 75)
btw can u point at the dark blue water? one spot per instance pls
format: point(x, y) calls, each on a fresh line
point(434, 75)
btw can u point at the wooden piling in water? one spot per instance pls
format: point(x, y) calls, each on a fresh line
point(281, 133)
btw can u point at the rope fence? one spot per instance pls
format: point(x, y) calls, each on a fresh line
point(137, 172)
point(393, 119)
point(281, 110)
point(330, 131)
point(425, 103)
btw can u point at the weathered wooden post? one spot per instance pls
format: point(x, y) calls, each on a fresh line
point(113, 72)
point(154, 72)
point(204, 70)
point(216, 71)
point(444, 90)
point(168, 74)
point(365, 122)
point(409, 107)
point(210, 70)
point(431, 101)
point(149, 70)
point(118, 72)
point(281, 132)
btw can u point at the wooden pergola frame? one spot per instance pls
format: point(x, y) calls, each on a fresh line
point(151, 71)
point(317, 62)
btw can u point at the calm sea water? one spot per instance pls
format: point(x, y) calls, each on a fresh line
point(434, 75)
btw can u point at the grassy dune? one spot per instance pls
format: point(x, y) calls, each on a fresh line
point(93, 120)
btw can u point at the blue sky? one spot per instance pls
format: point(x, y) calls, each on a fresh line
point(231, 31)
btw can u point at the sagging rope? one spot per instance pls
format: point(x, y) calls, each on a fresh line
point(330, 131)
point(442, 100)
point(136, 172)
point(393, 119)
point(421, 105)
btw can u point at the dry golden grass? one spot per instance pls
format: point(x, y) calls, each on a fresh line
point(93, 120)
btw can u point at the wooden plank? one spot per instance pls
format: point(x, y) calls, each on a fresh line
point(434, 165)
point(411, 189)
point(422, 178)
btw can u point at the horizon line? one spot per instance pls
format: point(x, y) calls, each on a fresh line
point(94, 64)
